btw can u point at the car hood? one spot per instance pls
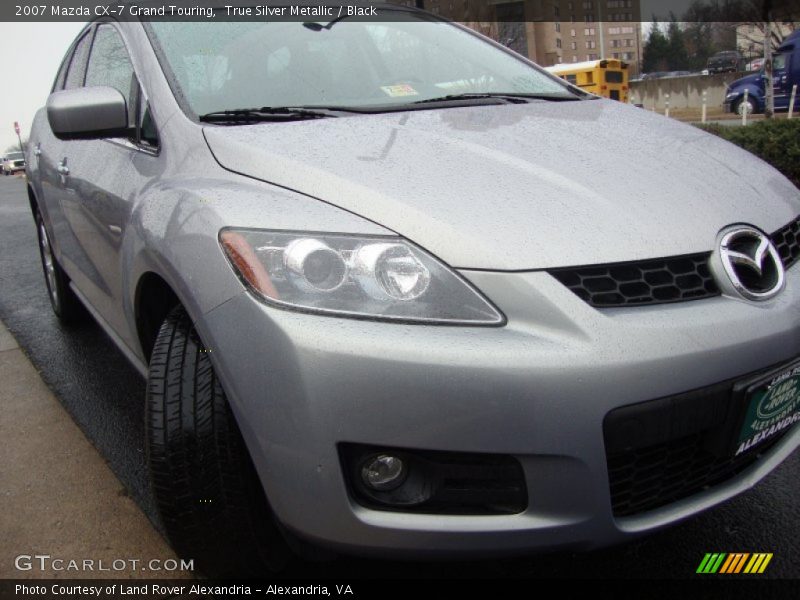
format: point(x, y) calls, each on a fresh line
point(524, 186)
point(747, 79)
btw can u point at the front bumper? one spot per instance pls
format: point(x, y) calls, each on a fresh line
point(537, 389)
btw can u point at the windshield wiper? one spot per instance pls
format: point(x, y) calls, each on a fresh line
point(313, 26)
point(265, 113)
point(510, 97)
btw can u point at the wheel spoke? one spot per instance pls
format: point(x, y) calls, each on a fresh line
point(49, 263)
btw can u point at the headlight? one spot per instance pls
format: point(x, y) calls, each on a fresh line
point(371, 277)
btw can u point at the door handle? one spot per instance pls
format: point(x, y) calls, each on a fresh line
point(63, 169)
point(37, 151)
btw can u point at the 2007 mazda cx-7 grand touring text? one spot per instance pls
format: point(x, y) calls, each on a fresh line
point(397, 291)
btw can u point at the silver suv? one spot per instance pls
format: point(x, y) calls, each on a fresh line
point(397, 290)
point(13, 163)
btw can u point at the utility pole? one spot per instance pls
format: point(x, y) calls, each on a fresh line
point(769, 93)
point(16, 129)
point(602, 52)
point(638, 30)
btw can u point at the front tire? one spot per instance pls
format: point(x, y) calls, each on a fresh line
point(208, 494)
point(742, 106)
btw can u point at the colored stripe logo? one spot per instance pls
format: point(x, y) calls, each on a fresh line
point(734, 562)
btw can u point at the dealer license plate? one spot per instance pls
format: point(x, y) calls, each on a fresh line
point(772, 405)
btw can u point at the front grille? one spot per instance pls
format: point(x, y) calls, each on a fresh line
point(659, 281)
point(644, 282)
point(664, 450)
point(787, 241)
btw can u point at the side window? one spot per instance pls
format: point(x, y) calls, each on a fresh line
point(62, 74)
point(110, 65)
point(147, 129)
point(147, 135)
point(77, 66)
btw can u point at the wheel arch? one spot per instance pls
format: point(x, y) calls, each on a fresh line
point(154, 298)
point(754, 95)
point(34, 203)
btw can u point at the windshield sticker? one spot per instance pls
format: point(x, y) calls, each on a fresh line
point(398, 91)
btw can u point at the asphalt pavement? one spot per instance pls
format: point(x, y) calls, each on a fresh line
point(104, 396)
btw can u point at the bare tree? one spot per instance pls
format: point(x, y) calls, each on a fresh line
point(769, 92)
point(753, 34)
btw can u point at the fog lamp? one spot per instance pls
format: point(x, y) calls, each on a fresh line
point(383, 472)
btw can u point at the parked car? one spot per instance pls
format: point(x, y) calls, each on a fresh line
point(785, 75)
point(755, 65)
point(406, 305)
point(13, 163)
point(667, 74)
point(655, 75)
point(724, 62)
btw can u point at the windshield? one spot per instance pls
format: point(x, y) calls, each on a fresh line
point(226, 66)
point(15, 156)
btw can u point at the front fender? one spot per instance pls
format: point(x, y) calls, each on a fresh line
point(754, 93)
point(175, 226)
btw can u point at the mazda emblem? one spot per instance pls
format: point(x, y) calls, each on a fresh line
point(751, 262)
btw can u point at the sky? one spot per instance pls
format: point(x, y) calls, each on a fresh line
point(32, 53)
point(662, 8)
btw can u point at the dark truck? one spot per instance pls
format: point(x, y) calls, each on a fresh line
point(785, 75)
point(724, 62)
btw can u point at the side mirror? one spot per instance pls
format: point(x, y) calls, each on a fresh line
point(88, 113)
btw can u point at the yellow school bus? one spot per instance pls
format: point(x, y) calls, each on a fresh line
point(607, 77)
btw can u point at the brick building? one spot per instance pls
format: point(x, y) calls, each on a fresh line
point(553, 31)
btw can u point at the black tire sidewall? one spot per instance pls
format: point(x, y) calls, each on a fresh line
point(209, 497)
